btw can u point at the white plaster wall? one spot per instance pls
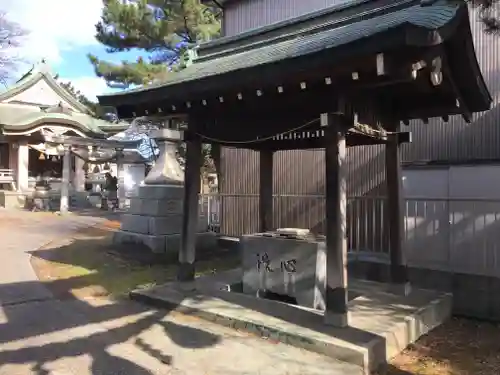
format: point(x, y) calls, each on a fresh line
point(426, 183)
point(454, 224)
point(426, 220)
point(481, 181)
point(40, 93)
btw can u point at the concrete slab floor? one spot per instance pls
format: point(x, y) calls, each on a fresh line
point(382, 323)
point(88, 338)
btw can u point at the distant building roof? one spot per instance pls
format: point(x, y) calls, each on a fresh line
point(37, 99)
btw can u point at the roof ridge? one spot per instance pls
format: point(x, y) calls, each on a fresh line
point(42, 70)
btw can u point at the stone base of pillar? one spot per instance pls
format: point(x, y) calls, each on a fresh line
point(400, 289)
point(167, 244)
point(336, 320)
point(154, 219)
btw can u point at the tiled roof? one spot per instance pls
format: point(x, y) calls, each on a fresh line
point(430, 15)
point(18, 118)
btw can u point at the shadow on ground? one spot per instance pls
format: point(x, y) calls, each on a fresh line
point(111, 269)
point(52, 317)
point(97, 264)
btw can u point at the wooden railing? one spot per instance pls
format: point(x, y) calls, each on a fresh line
point(7, 177)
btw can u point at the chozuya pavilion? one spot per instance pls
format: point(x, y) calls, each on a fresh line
point(345, 76)
point(37, 110)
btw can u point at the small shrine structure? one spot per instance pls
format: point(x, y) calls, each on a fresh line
point(33, 107)
point(345, 76)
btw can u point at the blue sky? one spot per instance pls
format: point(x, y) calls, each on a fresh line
point(75, 66)
point(62, 32)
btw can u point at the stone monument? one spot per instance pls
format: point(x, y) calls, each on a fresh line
point(286, 262)
point(154, 218)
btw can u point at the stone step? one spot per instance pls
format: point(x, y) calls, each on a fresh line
point(382, 324)
point(157, 225)
point(167, 244)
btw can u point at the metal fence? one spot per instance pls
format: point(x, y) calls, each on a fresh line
point(459, 235)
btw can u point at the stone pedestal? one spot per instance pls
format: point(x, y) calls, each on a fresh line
point(154, 218)
point(295, 267)
point(133, 176)
point(79, 176)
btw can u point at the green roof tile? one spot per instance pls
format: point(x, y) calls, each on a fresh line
point(19, 118)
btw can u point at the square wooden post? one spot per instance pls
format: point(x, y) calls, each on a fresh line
point(66, 175)
point(22, 166)
point(336, 311)
point(266, 190)
point(192, 181)
point(395, 214)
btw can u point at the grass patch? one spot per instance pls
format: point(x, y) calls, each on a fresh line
point(87, 265)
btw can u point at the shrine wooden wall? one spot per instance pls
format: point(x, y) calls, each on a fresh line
point(4, 155)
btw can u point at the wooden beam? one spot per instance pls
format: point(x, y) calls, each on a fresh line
point(336, 311)
point(266, 190)
point(380, 71)
point(307, 144)
point(352, 139)
point(402, 137)
point(431, 107)
point(460, 101)
point(192, 181)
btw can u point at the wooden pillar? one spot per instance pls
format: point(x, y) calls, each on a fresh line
point(266, 190)
point(395, 214)
point(336, 311)
point(66, 173)
point(192, 181)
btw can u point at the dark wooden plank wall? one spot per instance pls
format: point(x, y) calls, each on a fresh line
point(302, 172)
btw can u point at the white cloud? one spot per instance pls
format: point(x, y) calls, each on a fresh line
point(54, 25)
point(89, 86)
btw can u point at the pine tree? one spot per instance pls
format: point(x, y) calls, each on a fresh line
point(164, 29)
point(95, 110)
point(92, 106)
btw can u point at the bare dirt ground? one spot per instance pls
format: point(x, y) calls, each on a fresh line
point(458, 347)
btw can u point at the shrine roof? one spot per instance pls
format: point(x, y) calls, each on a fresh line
point(41, 72)
point(19, 119)
point(352, 29)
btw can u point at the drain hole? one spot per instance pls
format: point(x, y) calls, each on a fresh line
point(267, 294)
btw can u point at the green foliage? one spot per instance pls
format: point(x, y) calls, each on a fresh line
point(92, 106)
point(164, 29)
point(136, 73)
point(208, 161)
